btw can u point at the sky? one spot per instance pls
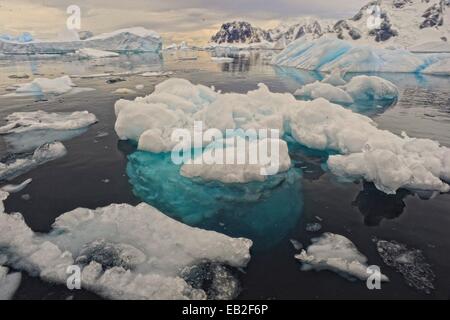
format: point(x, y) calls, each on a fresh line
point(194, 21)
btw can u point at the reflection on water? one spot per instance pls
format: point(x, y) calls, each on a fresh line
point(262, 211)
point(376, 205)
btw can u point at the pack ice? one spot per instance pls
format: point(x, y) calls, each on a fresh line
point(327, 54)
point(127, 252)
point(379, 156)
point(136, 39)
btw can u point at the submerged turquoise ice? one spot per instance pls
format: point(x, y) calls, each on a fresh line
point(264, 212)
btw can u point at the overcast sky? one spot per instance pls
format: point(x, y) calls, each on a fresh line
point(176, 20)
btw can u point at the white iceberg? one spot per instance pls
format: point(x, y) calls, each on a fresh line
point(215, 168)
point(136, 39)
point(45, 86)
point(47, 152)
point(359, 88)
point(9, 283)
point(127, 252)
point(371, 88)
point(19, 122)
point(176, 103)
point(335, 253)
point(324, 90)
point(327, 54)
point(12, 188)
point(89, 53)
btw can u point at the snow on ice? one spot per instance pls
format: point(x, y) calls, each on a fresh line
point(127, 252)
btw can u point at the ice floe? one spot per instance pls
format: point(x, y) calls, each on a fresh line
point(327, 54)
point(127, 252)
point(45, 86)
point(379, 156)
point(335, 253)
point(89, 53)
point(136, 39)
point(359, 89)
point(12, 188)
point(17, 166)
point(9, 283)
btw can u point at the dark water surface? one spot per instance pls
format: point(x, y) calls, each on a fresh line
point(355, 210)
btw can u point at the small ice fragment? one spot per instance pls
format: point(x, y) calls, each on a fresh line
point(296, 244)
point(13, 188)
point(124, 91)
point(139, 87)
point(26, 197)
point(313, 227)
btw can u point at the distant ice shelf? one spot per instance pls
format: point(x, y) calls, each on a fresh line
point(136, 39)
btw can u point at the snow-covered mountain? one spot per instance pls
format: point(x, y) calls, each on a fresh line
point(385, 23)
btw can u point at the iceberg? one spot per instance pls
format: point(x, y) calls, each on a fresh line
point(127, 252)
point(45, 153)
point(327, 54)
point(136, 39)
point(338, 254)
point(324, 90)
point(26, 131)
point(9, 283)
point(45, 86)
point(364, 151)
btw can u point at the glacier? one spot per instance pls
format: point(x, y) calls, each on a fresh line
point(363, 151)
point(135, 39)
point(127, 252)
point(327, 54)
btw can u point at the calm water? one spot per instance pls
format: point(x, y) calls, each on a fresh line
point(355, 210)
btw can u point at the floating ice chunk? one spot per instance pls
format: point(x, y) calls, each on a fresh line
point(124, 91)
point(371, 88)
point(89, 53)
point(9, 283)
point(140, 87)
point(328, 54)
point(296, 244)
point(409, 262)
point(156, 73)
point(12, 188)
point(43, 154)
point(324, 90)
point(176, 103)
point(222, 59)
point(19, 122)
point(313, 227)
point(45, 86)
point(125, 252)
point(335, 253)
point(136, 39)
point(213, 164)
point(335, 78)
